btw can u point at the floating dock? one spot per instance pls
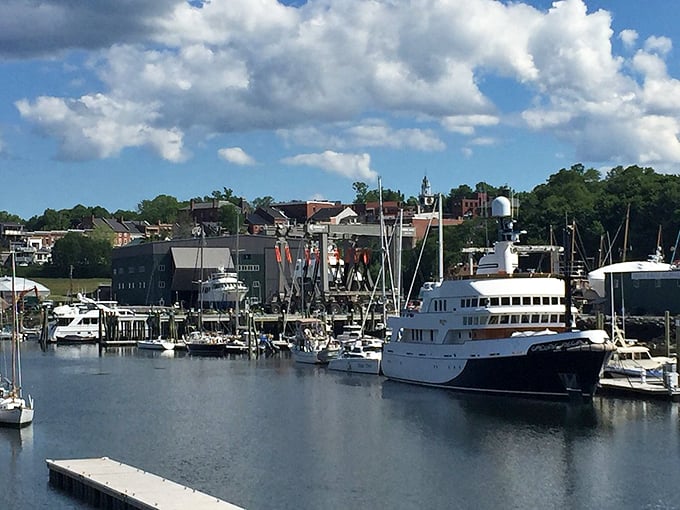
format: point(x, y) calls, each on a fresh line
point(109, 484)
point(636, 387)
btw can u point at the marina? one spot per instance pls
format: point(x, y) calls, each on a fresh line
point(269, 433)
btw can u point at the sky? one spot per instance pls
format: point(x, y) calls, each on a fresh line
point(113, 102)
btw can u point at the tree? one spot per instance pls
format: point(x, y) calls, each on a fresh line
point(229, 215)
point(163, 208)
point(88, 257)
point(6, 217)
point(360, 188)
point(265, 201)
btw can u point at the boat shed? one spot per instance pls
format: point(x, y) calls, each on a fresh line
point(644, 292)
point(21, 285)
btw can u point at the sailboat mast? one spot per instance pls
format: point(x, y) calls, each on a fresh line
point(238, 297)
point(441, 241)
point(382, 247)
point(625, 235)
point(15, 356)
point(398, 260)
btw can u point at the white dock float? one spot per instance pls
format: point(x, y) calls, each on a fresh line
point(109, 484)
point(634, 387)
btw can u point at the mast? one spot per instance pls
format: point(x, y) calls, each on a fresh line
point(382, 247)
point(238, 297)
point(441, 241)
point(15, 347)
point(625, 235)
point(398, 260)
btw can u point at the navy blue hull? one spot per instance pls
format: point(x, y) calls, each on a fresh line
point(551, 375)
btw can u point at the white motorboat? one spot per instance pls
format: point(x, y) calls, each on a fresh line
point(631, 359)
point(361, 356)
point(15, 410)
point(313, 344)
point(79, 322)
point(497, 331)
point(156, 344)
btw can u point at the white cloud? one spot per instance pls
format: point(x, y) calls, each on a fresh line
point(326, 74)
point(369, 133)
point(628, 38)
point(659, 45)
point(236, 155)
point(351, 166)
point(96, 126)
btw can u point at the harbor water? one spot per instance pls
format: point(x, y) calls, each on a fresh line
point(267, 434)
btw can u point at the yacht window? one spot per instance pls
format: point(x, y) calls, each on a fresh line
point(161, 285)
point(657, 283)
point(505, 301)
point(636, 284)
point(114, 270)
point(484, 302)
point(545, 318)
point(516, 300)
point(141, 269)
point(525, 319)
point(562, 318)
point(537, 300)
point(555, 300)
point(535, 319)
point(161, 267)
point(474, 302)
point(505, 319)
point(465, 319)
point(476, 320)
point(514, 319)
point(562, 301)
point(546, 300)
point(494, 300)
point(462, 303)
point(526, 300)
point(493, 319)
point(131, 270)
point(553, 317)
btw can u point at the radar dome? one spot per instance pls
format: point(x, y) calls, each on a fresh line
point(500, 207)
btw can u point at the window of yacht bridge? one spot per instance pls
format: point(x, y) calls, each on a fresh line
point(494, 301)
point(554, 317)
point(536, 300)
point(546, 300)
point(526, 300)
point(504, 319)
point(505, 301)
point(535, 319)
point(516, 300)
point(514, 319)
point(526, 319)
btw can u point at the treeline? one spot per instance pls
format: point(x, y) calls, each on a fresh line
point(598, 205)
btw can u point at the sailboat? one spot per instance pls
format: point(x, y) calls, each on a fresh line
point(200, 342)
point(15, 411)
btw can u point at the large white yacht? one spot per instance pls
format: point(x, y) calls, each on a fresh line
point(496, 331)
point(79, 322)
point(223, 289)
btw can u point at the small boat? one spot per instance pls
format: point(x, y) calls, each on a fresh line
point(156, 344)
point(15, 411)
point(201, 343)
point(361, 356)
point(313, 344)
point(631, 359)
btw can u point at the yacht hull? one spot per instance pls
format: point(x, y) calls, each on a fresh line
point(355, 365)
point(548, 366)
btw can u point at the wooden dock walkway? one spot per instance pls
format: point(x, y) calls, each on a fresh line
point(109, 484)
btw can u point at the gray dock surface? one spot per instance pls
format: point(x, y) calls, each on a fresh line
point(110, 484)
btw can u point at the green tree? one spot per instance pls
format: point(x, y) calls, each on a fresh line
point(88, 257)
point(163, 208)
point(361, 189)
point(229, 215)
point(265, 201)
point(6, 217)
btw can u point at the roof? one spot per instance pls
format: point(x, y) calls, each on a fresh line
point(190, 258)
point(21, 284)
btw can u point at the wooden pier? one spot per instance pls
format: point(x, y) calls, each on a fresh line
point(109, 484)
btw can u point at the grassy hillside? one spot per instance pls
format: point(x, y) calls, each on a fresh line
point(61, 287)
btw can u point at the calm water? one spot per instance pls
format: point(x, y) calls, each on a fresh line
point(267, 434)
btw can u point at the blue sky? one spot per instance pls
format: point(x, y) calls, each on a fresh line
point(113, 102)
